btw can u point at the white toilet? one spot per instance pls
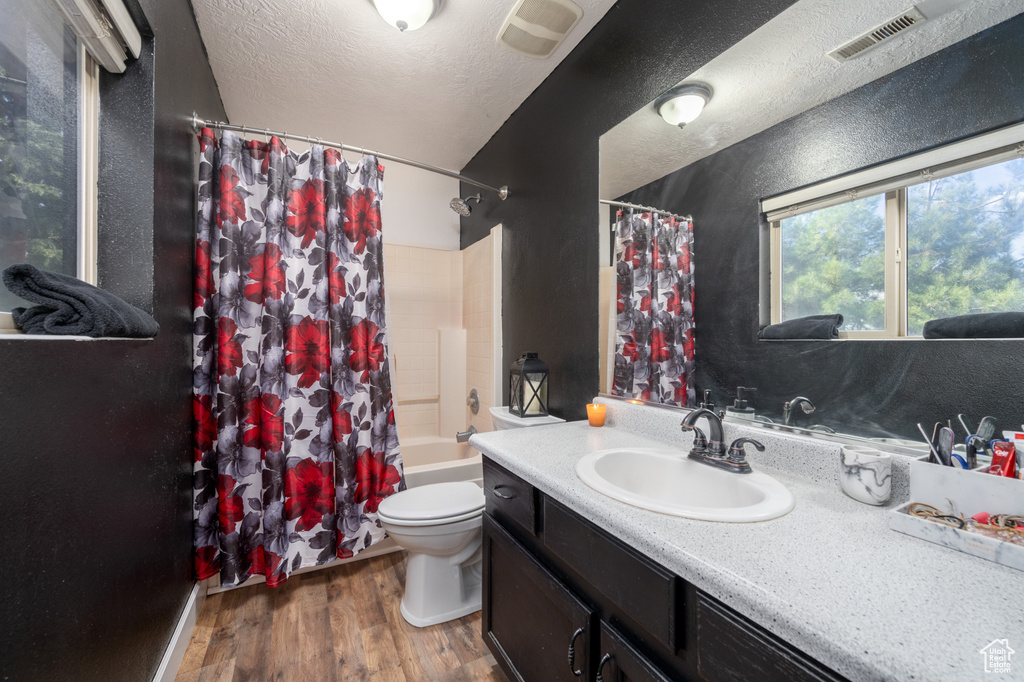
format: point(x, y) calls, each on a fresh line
point(439, 525)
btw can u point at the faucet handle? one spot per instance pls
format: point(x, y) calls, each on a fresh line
point(700, 441)
point(737, 446)
point(737, 457)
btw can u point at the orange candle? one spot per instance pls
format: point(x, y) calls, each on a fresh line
point(595, 414)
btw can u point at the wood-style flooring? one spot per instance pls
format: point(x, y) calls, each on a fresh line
point(341, 624)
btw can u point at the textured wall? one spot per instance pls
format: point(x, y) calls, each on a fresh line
point(547, 153)
point(862, 386)
point(97, 435)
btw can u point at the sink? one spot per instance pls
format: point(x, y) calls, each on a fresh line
point(666, 481)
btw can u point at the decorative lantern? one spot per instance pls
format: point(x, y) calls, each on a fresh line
point(528, 387)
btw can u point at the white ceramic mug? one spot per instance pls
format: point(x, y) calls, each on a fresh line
point(865, 474)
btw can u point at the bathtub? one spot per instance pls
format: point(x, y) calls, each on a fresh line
point(440, 460)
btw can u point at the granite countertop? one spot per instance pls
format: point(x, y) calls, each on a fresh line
point(830, 577)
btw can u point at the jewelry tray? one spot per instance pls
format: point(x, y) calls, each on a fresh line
point(970, 492)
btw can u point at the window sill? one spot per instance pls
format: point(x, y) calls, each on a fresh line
point(895, 338)
point(11, 336)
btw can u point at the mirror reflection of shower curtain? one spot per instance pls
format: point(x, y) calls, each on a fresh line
point(654, 321)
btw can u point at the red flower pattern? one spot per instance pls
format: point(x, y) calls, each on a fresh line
point(232, 202)
point(307, 211)
point(367, 352)
point(266, 419)
point(229, 508)
point(229, 347)
point(308, 493)
point(204, 276)
point(307, 352)
point(266, 275)
point(362, 218)
point(375, 480)
point(205, 424)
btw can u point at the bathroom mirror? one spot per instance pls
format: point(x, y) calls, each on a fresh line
point(785, 116)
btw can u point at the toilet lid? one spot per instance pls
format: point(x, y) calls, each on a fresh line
point(435, 501)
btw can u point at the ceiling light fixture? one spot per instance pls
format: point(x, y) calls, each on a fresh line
point(683, 103)
point(407, 15)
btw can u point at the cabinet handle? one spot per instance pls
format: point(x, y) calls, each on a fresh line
point(600, 666)
point(495, 492)
point(572, 653)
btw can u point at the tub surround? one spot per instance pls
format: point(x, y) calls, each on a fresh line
point(830, 578)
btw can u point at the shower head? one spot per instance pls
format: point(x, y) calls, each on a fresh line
point(462, 207)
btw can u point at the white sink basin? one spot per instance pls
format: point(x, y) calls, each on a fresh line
point(666, 481)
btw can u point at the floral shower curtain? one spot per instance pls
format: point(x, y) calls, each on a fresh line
point(295, 438)
point(654, 334)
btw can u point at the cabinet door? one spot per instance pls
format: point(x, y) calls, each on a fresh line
point(530, 619)
point(619, 661)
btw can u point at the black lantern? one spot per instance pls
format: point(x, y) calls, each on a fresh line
point(528, 387)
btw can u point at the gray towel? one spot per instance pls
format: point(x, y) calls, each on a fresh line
point(69, 306)
point(977, 326)
point(810, 327)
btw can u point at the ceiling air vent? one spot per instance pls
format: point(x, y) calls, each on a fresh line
point(890, 29)
point(537, 27)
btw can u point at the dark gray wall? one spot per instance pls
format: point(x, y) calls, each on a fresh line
point(870, 387)
point(547, 153)
point(97, 435)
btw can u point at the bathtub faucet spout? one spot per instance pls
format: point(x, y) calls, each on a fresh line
point(463, 436)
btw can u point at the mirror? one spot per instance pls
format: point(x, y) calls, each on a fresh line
point(784, 116)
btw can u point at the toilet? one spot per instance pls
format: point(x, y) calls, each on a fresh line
point(439, 526)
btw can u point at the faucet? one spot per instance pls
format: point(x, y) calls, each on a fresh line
point(713, 452)
point(806, 405)
point(464, 436)
point(700, 443)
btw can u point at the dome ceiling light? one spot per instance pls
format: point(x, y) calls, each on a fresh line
point(407, 15)
point(683, 103)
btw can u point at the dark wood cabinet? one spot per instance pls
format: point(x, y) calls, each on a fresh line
point(619, 661)
point(536, 627)
point(552, 580)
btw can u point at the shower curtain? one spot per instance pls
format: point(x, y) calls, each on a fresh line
point(295, 438)
point(654, 322)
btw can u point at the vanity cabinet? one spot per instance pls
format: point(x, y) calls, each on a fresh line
point(564, 600)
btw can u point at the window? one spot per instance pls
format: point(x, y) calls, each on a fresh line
point(891, 248)
point(48, 129)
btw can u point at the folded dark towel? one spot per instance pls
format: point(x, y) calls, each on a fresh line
point(810, 327)
point(977, 326)
point(69, 306)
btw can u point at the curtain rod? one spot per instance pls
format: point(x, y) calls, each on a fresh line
point(608, 202)
point(198, 123)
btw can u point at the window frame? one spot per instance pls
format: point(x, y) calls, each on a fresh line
point(893, 179)
point(87, 257)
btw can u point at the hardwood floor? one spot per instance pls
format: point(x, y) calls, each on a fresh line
point(341, 624)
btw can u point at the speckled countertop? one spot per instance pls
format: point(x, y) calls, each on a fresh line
point(830, 577)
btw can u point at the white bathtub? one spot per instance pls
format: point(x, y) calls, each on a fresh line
point(440, 460)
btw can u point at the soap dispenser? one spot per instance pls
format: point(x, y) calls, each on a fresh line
point(740, 408)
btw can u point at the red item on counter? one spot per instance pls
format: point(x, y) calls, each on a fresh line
point(982, 517)
point(1004, 459)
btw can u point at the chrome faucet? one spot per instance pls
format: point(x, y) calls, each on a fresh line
point(713, 452)
point(787, 409)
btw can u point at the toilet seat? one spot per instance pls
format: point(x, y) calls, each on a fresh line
point(432, 505)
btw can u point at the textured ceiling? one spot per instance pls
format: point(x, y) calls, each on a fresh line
point(781, 70)
point(334, 69)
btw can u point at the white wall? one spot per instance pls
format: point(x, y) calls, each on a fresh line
point(415, 208)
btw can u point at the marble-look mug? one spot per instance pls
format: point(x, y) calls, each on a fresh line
point(865, 474)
